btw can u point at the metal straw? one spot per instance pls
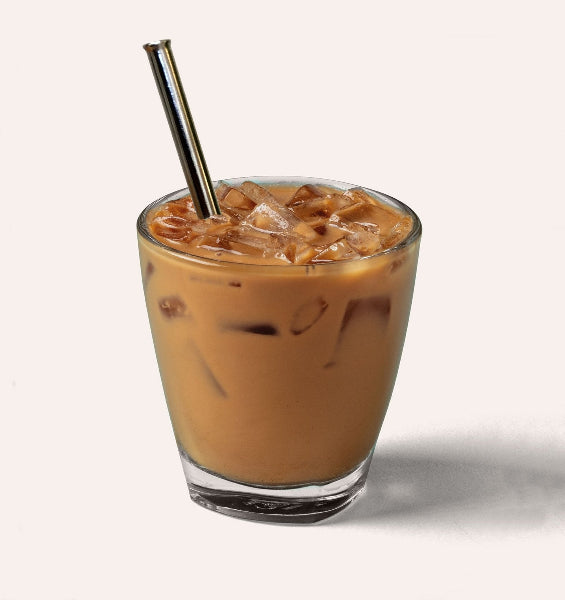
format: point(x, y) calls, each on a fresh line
point(182, 127)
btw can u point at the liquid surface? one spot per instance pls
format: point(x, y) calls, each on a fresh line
point(282, 225)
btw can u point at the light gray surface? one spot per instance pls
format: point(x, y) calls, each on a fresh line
point(455, 109)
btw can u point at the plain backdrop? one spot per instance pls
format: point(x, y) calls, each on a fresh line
point(454, 107)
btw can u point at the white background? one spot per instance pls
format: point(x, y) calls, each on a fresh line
point(456, 108)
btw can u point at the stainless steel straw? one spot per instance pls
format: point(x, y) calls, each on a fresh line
point(182, 127)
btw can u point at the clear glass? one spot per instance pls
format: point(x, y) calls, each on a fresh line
point(277, 378)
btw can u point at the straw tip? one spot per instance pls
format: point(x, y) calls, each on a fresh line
point(153, 46)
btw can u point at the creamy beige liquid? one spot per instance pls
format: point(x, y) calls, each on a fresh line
point(277, 374)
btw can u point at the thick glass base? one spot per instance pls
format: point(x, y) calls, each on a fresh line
point(306, 503)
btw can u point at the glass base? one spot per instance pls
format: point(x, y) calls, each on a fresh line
point(306, 503)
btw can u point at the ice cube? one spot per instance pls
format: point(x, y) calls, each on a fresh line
point(220, 230)
point(397, 264)
point(398, 232)
point(209, 233)
point(169, 227)
point(204, 365)
point(339, 250)
point(364, 242)
point(181, 208)
point(222, 190)
point(245, 248)
point(360, 195)
point(306, 192)
point(307, 315)
point(270, 215)
point(236, 215)
point(216, 220)
point(266, 218)
point(149, 270)
point(257, 194)
point(370, 214)
point(206, 242)
point(248, 241)
point(254, 236)
point(256, 328)
point(278, 219)
point(146, 273)
point(330, 232)
point(172, 307)
point(364, 239)
point(236, 199)
point(304, 231)
point(320, 207)
point(298, 251)
point(380, 305)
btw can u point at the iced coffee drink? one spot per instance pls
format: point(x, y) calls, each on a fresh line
point(278, 328)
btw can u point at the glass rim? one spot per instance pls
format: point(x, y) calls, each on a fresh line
point(266, 180)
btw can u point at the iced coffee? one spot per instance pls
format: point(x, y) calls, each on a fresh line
point(278, 328)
